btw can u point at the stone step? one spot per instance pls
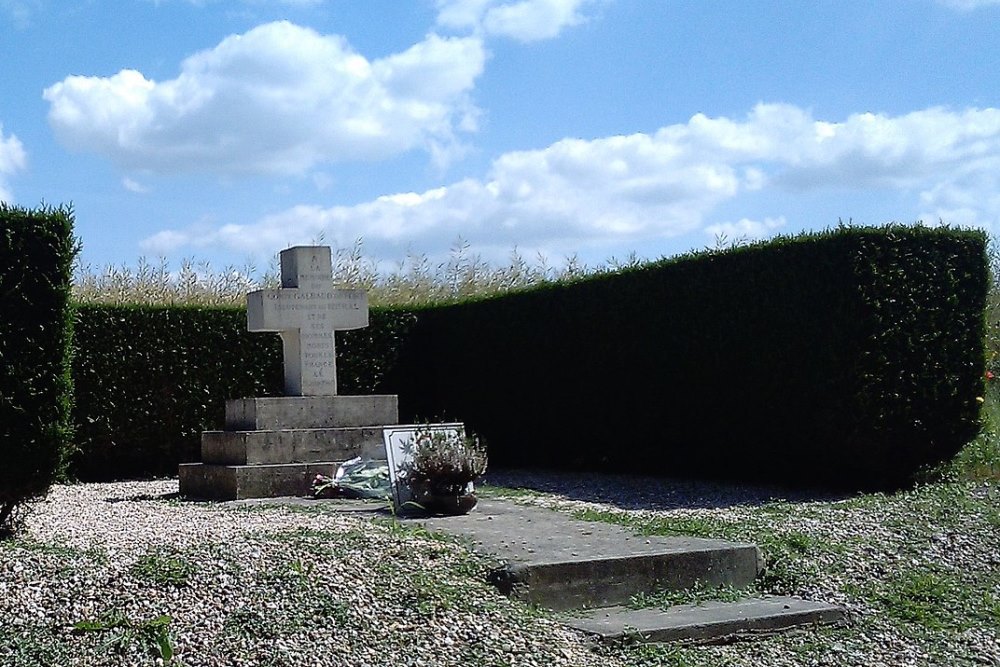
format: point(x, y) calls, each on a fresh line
point(220, 482)
point(292, 445)
point(559, 562)
point(286, 412)
point(708, 622)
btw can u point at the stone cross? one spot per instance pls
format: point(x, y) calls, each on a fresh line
point(306, 311)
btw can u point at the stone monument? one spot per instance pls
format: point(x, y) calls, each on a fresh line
point(275, 446)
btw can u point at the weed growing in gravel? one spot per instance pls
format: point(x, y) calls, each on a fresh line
point(164, 568)
point(57, 549)
point(919, 596)
point(641, 523)
point(696, 595)
point(152, 635)
point(248, 623)
point(34, 646)
point(918, 569)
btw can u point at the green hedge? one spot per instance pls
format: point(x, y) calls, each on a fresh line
point(36, 257)
point(150, 379)
point(851, 357)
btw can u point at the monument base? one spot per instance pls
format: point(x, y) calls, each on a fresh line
point(280, 412)
point(234, 482)
point(276, 446)
point(298, 445)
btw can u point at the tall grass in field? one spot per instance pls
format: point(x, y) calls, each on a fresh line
point(413, 280)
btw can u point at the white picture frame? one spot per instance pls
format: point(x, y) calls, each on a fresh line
point(397, 438)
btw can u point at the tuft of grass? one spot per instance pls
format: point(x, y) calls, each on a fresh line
point(919, 596)
point(978, 461)
point(152, 634)
point(164, 568)
point(692, 526)
point(696, 595)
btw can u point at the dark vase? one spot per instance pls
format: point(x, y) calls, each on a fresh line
point(448, 503)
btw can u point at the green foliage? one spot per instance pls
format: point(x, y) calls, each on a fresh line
point(851, 357)
point(444, 461)
point(979, 460)
point(152, 634)
point(150, 379)
point(37, 249)
point(164, 568)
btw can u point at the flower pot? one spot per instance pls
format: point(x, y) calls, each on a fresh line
point(448, 503)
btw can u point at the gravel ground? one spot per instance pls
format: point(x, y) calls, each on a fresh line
point(917, 571)
point(230, 584)
point(251, 585)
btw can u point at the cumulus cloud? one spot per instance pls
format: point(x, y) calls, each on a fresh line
point(523, 20)
point(744, 228)
point(134, 186)
point(12, 159)
point(278, 99)
point(576, 193)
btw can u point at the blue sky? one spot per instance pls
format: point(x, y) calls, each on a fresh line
point(226, 131)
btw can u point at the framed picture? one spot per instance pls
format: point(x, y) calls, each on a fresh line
point(398, 444)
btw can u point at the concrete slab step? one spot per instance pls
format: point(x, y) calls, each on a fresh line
point(219, 482)
point(708, 622)
point(553, 560)
point(292, 445)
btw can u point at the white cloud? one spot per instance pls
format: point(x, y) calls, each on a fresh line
point(745, 228)
point(624, 189)
point(12, 160)
point(134, 186)
point(277, 99)
point(523, 20)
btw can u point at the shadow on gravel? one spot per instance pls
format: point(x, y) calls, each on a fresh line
point(140, 497)
point(653, 493)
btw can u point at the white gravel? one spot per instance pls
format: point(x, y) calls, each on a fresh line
point(267, 585)
point(937, 548)
point(264, 586)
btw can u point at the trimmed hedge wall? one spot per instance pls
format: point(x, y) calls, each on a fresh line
point(36, 258)
point(150, 379)
point(851, 357)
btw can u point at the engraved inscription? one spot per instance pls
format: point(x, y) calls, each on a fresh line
point(307, 311)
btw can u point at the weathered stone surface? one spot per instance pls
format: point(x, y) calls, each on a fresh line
point(292, 445)
point(306, 311)
point(281, 412)
point(275, 446)
point(710, 621)
point(562, 563)
point(217, 482)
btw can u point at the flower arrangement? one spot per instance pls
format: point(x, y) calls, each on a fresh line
point(356, 478)
point(443, 463)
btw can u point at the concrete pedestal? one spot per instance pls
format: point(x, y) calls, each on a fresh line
point(276, 446)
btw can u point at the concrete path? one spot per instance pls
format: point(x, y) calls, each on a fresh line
point(592, 570)
point(588, 572)
point(556, 561)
